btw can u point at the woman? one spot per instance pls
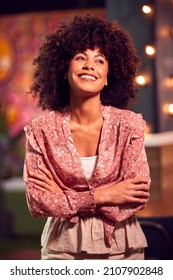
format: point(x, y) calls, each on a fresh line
point(85, 166)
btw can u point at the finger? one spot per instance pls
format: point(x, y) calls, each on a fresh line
point(139, 200)
point(40, 183)
point(141, 194)
point(138, 180)
point(139, 187)
point(142, 187)
point(40, 177)
point(40, 188)
point(45, 171)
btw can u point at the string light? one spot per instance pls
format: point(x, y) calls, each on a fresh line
point(141, 80)
point(168, 109)
point(150, 50)
point(169, 81)
point(146, 9)
point(148, 128)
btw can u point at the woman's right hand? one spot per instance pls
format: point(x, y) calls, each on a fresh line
point(44, 181)
point(135, 190)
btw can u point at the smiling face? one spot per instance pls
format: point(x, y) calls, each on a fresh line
point(87, 73)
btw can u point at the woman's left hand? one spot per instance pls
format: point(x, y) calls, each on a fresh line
point(44, 181)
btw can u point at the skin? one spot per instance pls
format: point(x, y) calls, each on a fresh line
point(87, 75)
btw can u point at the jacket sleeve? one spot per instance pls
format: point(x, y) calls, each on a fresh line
point(134, 164)
point(44, 203)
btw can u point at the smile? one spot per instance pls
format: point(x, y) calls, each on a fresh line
point(87, 77)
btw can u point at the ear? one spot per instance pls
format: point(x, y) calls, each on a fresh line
point(106, 82)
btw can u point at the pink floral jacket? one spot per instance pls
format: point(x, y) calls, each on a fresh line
point(121, 156)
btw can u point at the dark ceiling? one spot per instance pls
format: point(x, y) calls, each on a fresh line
point(19, 6)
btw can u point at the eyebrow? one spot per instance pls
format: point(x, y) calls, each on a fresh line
point(97, 55)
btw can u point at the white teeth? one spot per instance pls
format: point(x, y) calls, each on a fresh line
point(88, 77)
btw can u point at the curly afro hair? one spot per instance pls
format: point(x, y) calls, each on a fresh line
point(85, 32)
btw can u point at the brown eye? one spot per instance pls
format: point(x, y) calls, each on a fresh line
point(100, 61)
point(79, 58)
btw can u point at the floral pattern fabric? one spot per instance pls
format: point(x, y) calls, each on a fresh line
point(121, 156)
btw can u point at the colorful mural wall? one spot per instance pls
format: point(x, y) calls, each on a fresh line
point(20, 38)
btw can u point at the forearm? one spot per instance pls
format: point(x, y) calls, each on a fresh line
point(99, 197)
point(63, 205)
point(121, 200)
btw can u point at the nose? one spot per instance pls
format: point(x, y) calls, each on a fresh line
point(89, 65)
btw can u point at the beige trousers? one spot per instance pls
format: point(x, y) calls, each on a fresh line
point(47, 254)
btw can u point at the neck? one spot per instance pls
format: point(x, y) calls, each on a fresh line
point(86, 112)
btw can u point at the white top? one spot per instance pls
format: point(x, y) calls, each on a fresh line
point(89, 164)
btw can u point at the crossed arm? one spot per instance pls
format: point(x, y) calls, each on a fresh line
point(47, 198)
point(135, 190)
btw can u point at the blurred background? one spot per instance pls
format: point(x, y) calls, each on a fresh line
point(22, 27)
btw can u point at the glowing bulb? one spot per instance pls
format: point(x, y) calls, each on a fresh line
point(170, 109)
point(141, 80)
point(148, 128)
point(169, 81)
point(146, 9)
point(149, 50)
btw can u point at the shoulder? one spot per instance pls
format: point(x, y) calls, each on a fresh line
point(131, 118)
point(43, 122)
point(45, 118)
point(128, 120)
point(124, 116)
